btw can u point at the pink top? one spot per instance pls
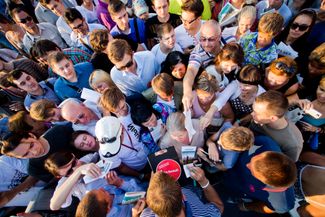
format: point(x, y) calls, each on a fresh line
point(197, 111)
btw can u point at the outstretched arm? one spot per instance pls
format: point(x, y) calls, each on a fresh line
point(7, 196)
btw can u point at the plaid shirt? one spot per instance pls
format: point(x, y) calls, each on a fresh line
point(76, 55)
point(256, 56)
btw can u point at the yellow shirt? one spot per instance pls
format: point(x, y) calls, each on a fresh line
point(175, 8)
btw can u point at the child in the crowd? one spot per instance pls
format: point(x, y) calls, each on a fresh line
point(259, 47)
point(227, 146)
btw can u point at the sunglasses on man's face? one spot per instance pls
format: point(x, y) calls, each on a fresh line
point(128, 65)
point(301, 27)
point(25, 20)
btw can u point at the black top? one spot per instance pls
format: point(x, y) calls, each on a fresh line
point(153, 22)
point(284, 88)
point(58, 138)
point(101, 61)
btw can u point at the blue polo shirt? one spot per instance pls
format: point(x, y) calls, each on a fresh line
point(65, 89)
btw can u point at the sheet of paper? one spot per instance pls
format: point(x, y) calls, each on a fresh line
point(90, 95)
point(188, 124)
point(187, 169)
point(104, 166)
point(286, 50)
point(156, 131)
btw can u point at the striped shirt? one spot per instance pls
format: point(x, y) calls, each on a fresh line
point(76, 55)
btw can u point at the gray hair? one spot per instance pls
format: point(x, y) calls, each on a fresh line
point(176, 122)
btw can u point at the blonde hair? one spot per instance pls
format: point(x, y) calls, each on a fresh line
point(247, 11)
point(98, 76)
point(271, 23)
point(318, 55)
point(237, 139)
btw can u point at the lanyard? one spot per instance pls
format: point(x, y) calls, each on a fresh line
point(132, 147)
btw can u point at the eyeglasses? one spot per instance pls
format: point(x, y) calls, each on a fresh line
point(188, 22)
point(285, 68)
point(79, 26)
point(128, 65)
point(301, 27)
point(212, 39)
point(25, 20)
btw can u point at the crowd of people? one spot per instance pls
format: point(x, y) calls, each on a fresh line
point(93, 84)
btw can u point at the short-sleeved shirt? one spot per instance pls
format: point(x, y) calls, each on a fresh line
point(160, 56)
point(184, 39)
point(129, 83)
point(289, 138)
point(65, 89)
point(132, 153)
point(256, 56)
point(278, 200)
point(58, 138)
point(193, 207)
point(153, 22)
point(200, 58)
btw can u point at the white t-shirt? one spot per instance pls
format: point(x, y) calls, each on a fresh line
point(132, 154)
point(133, 129)
point(13, 172)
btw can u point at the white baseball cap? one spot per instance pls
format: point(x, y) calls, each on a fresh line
point(108, 132)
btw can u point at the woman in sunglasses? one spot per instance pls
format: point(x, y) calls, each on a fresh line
point(281, 76)
point(297, 32)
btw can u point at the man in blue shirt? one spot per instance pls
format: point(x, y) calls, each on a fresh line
point(266, 176)
point(132, 72)
point(35, 91)
point(165, 197)
point(72, 78)
point(133, 28)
